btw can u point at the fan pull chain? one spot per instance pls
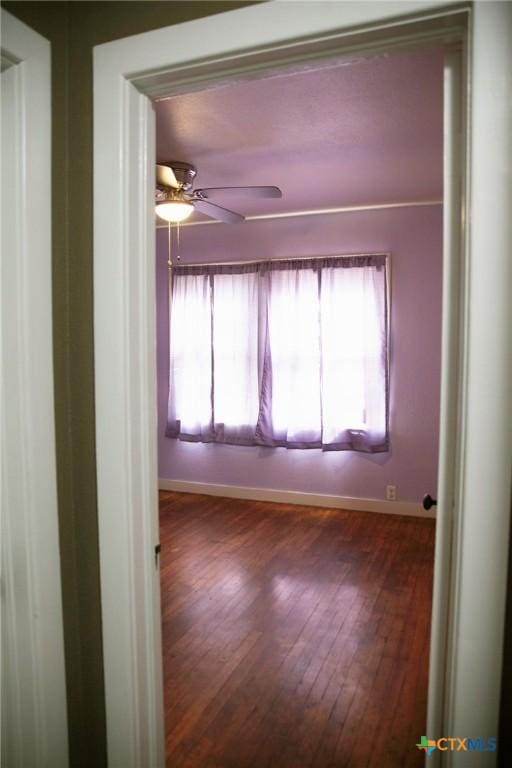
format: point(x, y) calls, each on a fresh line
point(169, 239)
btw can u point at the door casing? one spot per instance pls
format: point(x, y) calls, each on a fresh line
point(34, 712)
point(476, 469)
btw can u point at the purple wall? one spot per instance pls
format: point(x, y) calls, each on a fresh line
point(414, 238)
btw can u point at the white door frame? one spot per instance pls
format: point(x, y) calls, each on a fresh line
point(465, 661)
point(34, 715)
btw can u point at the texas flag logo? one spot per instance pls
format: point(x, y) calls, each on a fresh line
point(426, 745)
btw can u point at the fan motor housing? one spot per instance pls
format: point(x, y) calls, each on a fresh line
point(185, 173)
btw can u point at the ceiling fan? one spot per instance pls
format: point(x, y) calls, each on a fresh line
point(175, 197)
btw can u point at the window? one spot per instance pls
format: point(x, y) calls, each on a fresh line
point(284, 353)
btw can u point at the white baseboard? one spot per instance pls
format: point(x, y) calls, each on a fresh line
point(298, 497)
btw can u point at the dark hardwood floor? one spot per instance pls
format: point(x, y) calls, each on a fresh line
point(293, 636)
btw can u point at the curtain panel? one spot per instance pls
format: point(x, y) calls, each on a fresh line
point(285, 353)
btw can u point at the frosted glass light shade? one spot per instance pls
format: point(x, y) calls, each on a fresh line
point(174, 210)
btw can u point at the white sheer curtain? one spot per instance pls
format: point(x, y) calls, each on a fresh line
point(213, 382)
point(354, 354)
point(289, 354)
point(190, 380)
point(235, 354)
point(294, 352)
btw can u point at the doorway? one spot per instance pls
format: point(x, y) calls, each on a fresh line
point(253, 654)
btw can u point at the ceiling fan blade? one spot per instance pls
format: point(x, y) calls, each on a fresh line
point(216, 212)
point(165, 175)
point(247, 191)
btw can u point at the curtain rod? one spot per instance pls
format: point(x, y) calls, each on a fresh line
point(317, 212)
point(287, 258)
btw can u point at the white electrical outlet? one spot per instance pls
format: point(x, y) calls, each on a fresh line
point(391, 492)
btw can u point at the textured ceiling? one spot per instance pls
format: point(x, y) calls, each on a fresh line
point(363, 131)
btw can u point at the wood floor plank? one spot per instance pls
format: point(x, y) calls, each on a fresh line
point(293, 637)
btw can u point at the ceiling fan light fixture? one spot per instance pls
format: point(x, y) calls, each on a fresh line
point(174, 210)
point(176, 198)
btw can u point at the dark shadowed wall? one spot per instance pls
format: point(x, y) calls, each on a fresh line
point(73, 28)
